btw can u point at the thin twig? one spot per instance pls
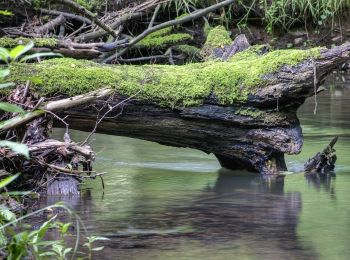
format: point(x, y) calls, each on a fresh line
point(110, 109)
point(154, 16)
point(89, 14)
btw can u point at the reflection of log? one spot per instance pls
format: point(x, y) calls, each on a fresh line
point(324, 161)
point(239, 211)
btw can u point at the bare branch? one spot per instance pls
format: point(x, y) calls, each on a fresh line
point(67, 15)
point(49, 26)
point(154, 16)
point(89, 14)
point(100, 33)
point(185, 19)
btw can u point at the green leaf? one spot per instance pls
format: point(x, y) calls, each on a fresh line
point(7, 214)
point(6, 13)
point(4, 55)
point(44, 227)
point(96, 238)
point(8, 107)
point(65, 227)
point(3, 239)
point(19, 50)
point(16, 147)
point(47, 254)
point(4, 73)
point(6, 85)
point(98, 248)
point(35, 80)
point(8, 180)
point(67, 250)
point(39, 55)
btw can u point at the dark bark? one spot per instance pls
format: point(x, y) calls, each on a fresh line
point(324, 161)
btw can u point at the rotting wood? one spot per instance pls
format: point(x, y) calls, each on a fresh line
point(324, 161)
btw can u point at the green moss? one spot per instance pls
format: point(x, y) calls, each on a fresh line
point(166, 85)
point(268, 117)
point(7, 42)
point(159, 42)
point(163, 38)
point(189, 50)
point(254, 113)
point(218, 37)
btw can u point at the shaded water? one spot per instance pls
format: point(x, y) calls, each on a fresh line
point(171, 203)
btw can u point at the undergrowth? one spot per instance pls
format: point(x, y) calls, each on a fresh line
point(276, 14)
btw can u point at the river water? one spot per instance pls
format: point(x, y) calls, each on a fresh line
point(172, 203)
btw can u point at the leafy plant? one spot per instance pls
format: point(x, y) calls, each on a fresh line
point(16, 53)
point(6, 13)
point(286, 13)
point(89, 244)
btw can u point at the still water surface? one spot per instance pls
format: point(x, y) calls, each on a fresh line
point(172, 203)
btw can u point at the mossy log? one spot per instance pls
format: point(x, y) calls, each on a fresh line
point(242, 110)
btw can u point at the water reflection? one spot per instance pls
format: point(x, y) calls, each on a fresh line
point(242, 214)
point(323, 181)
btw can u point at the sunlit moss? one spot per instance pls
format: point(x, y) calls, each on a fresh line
point(7, 42)
point(189, 50)
point(163, 38)
point(217, 37)
point(167, 85)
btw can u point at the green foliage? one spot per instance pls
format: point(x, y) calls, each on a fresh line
point(6, 181)
point(166, 85)
point(11, 108)
point(285, 13)
point(6, 13)
point(182, 6)
point(13, 55)
point(16, 241)
point(89, 245)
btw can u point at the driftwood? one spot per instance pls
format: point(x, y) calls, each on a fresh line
point(322, 162)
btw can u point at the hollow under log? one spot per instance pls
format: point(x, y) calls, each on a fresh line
point(252, 133)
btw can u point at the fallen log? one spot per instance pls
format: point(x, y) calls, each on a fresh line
point(243, 110)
